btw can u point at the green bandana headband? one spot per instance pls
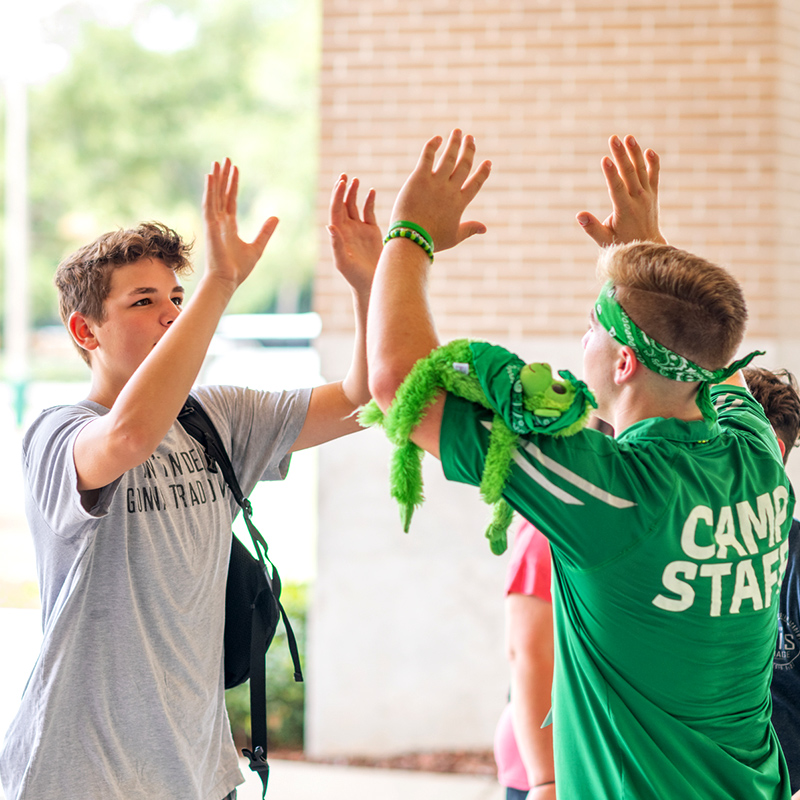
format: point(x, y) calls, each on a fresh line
point(658, 358)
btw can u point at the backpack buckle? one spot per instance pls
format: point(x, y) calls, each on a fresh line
point(258, 763)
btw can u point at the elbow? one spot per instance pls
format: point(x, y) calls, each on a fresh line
point(132, 445)
point(384, 381)
point(530, 648)
point(531, 658)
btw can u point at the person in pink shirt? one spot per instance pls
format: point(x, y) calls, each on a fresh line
point(523, 749)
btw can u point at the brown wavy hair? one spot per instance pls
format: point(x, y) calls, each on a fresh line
point(83, 279)
point(778, 394)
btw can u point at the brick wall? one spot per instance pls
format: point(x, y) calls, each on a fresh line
point(787, 154)
point(711, 85)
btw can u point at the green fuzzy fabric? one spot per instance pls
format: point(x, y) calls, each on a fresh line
point(429, 376)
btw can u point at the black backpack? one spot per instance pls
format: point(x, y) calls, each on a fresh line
point(252, 596)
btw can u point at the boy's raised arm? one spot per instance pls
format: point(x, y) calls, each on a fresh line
point(356, 243)
point(632, 180)
point(145, 403)
point(400, 328)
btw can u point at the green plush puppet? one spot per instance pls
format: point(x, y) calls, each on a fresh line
point(525, 398)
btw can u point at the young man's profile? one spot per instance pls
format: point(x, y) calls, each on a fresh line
point(669, 541)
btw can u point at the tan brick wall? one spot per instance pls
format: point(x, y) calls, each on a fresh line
point(787, 300)
point(712, 85)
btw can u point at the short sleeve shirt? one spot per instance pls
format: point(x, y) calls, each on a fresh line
point(126, 700)
point(668, 547)
point(529, 567)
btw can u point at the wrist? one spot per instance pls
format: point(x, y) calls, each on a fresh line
point(361, 298)
point(409, 249)
point(222, 288)
point(404, 229)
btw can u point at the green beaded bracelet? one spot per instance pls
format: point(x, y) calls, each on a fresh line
point(404, 223)
point(412, 236)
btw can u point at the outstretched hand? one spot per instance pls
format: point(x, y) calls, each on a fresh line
point(632, 180)
point(436, 194)
point(228, 256)
point(356, 242)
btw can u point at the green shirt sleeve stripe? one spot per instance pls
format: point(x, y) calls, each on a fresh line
point(537, 476)
point(575, 479)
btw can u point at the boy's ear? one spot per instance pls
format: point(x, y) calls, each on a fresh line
point(626, 365)
point(82, 331)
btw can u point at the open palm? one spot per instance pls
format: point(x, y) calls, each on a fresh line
point(356, 240)
point(228, 256)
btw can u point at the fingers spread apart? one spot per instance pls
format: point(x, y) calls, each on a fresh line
point(344, 202)
point(637, 171)
point(221, 188)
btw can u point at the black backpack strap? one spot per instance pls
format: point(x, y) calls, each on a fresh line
point(276, 590)
point(197, 423)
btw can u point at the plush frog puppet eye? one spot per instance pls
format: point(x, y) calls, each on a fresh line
point(545, 396)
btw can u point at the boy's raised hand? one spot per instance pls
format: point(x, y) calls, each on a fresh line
point(228, 257)
point(436, 194)
point(356, 242)
point(632, 180)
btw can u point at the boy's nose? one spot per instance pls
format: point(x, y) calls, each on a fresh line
point(170, 314)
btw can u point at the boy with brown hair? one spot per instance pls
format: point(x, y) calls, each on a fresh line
point(132, 532)
point(779, 395)
point(83, 279)
point(668, 541)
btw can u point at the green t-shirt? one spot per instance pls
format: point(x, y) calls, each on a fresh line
point(669, 544)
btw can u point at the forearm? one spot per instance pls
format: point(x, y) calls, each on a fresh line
point(355, 384)
point(530, 655)
point(149, 403)
point(157, 390)
point(530, 700)
point(400, 328)
point(332, 406)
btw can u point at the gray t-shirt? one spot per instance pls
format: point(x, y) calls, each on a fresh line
point(126, 700)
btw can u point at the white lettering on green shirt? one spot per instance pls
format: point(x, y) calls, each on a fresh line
point(731, 583)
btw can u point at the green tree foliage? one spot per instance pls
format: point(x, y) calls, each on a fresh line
point(128, 129)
